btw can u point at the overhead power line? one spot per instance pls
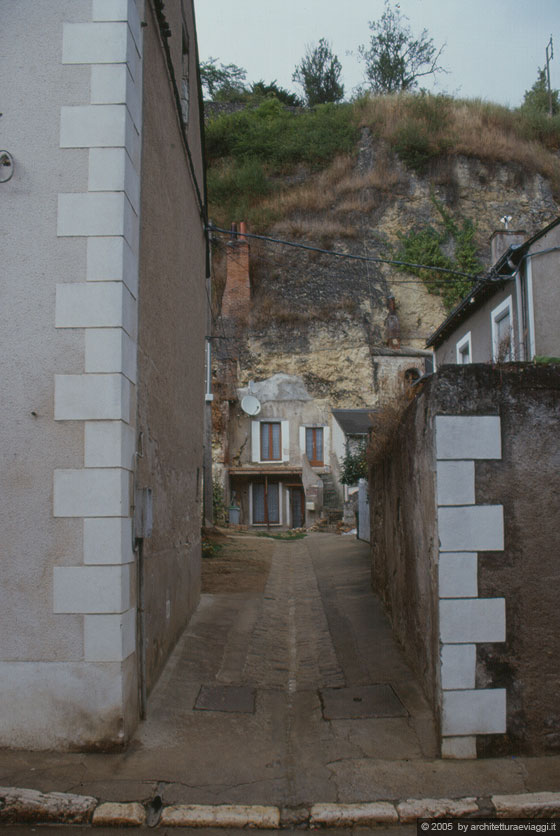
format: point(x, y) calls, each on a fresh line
point(354, 257)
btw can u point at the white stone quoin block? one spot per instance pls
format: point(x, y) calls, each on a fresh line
point(460, 748)
point(96, 213)
point(108, 540)
point(95, 397)
point(455, 483)
point(469, 528)
point(111, 259)
point(468, 437)
point(95, 305)
point(93, 126)
point(91, 492)
point(109, 83)
point(110, 350)
point(109, 638)
point(109, 444)
point(91, 589)
point(95, 43)
point(458, 575)
point(119, 10)
point(458, 666)
point(474, 712)
point(471, 620)
point(111, 170)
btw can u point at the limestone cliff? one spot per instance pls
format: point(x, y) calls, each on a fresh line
point(323, 317)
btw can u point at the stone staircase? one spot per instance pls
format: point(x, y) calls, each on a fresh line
point(332, 505)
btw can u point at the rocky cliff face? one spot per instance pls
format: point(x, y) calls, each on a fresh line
point(323, 317)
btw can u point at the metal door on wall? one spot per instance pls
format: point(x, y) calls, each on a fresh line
point(297, 507)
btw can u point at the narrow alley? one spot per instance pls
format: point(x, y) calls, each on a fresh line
point(288, 689)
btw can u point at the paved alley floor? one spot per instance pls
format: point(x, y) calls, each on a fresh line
point(289, 696)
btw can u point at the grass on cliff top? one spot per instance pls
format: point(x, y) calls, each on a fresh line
point(259, 159)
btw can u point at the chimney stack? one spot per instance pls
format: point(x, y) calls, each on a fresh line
point(236, 300)
point(502, 239)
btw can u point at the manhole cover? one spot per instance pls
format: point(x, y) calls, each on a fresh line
point(360, 702)
point(237, 699)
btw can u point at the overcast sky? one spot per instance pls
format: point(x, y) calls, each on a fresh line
point(494, 47)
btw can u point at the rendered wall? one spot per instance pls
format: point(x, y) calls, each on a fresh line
point(481, 444)
point(172, 321)
point(72, 122)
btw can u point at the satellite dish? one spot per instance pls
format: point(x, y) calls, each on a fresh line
point(250, 405)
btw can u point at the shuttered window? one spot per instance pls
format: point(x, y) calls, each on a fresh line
point(271, 441)
point(314, 445)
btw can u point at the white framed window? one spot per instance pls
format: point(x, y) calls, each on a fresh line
point(270, 441)
point(464, 350)
point(502, 332)
point(266, 503)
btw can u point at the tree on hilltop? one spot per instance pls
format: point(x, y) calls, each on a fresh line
point(536, 99)
point(318, 74)
point(224, 82)
point(394, 59)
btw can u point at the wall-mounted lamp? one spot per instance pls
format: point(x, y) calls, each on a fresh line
point(6, 166)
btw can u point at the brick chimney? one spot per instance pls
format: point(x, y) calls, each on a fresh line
point(236, 300)
point(502, 239)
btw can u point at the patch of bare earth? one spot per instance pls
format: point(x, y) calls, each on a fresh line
point(240, 565)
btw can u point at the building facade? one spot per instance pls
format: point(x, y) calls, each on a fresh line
point(103, 288)
point(510, 316)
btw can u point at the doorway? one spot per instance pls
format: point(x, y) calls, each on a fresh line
point(297, 507)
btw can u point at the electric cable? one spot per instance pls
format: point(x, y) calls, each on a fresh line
point(352, 256)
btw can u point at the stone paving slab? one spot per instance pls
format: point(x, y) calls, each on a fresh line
point(236, 699)
point(360, 702)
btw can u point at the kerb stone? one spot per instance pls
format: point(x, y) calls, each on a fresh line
point(119, 815)
point(346, 814)
point(23, 805)
point(435, 808)
point(527, 805)
point(226, 815)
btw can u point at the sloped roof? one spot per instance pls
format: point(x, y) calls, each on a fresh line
point(354, 421)
point(502, 271)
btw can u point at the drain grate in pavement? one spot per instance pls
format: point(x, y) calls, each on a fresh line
point(237, 699)
point(360, 702)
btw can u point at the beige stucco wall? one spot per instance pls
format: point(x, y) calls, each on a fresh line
point(171, 348)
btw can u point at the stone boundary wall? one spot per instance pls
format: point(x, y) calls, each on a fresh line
point(465, 554)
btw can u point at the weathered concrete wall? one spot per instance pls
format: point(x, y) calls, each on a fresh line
point(171, 346)
point(404, 540)
point(484, 563)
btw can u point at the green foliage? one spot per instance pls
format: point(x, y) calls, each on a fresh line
point(423, 134)
point(281, 138)
point(283, 535)
point(248, 150)
point(262, 90)
point(210, 549)
point(318, 74)
point(223, 83)
point(428, 245)
point(354, 466)
point(394, 59)
point(536, 100)
point(218, 504)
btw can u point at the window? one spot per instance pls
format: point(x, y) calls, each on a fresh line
point(314, 445)
point(464, 350)
point(266, 503)
point(271, 441)
point(502, 333)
